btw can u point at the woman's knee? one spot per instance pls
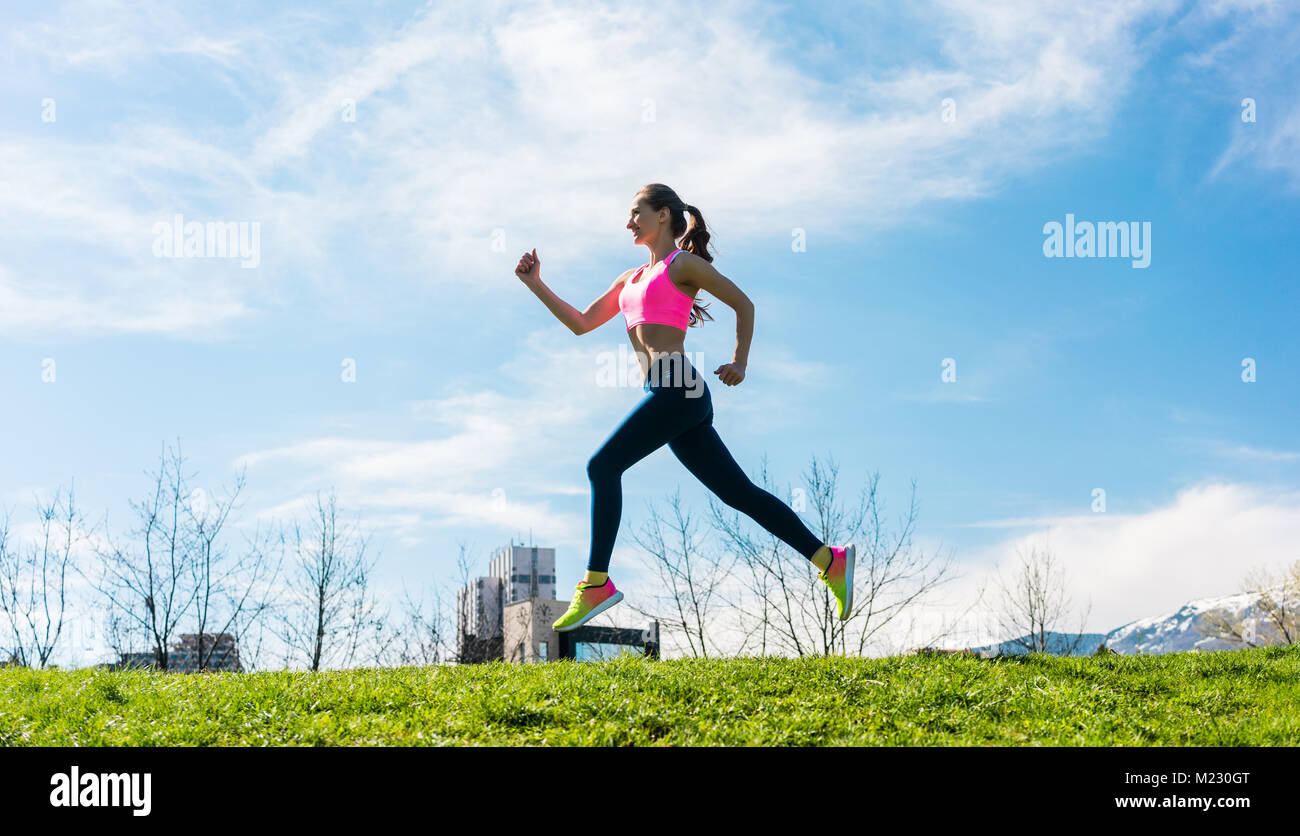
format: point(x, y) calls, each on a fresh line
point(736, 496)
point(750, 498)
point(602, 467)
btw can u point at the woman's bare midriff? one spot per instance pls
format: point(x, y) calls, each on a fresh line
point(650, 342)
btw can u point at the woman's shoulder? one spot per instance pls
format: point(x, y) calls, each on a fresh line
point(686, 259)
point(683, 266)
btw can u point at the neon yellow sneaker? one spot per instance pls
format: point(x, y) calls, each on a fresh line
point(588, 602)
point(838, 577)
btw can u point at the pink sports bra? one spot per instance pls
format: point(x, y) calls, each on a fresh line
point(655, 300)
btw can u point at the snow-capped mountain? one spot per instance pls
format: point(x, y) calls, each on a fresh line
point(1182, 630)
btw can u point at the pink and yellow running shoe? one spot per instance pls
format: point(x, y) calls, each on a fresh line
point(839, 578)
point(588, 602)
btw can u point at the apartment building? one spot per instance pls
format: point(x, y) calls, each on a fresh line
point(525, 572)
point(509, 614)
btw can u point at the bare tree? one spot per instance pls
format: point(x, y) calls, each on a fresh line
point(893, 574)
point(144, 581)
point(785, 605)
point(472, 647)
point(330, 613)
point(33, 579)
point(372, 639)
point(692, 576)
point(175, 571)
point(231, 593)
point(253, 642)
point(428, 635)
point(1034, 603)
point(771, 575)
point(1277, 602)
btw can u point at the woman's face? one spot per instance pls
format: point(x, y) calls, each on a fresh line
point(644, 222)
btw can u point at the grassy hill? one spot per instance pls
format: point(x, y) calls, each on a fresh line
point(1230, 698)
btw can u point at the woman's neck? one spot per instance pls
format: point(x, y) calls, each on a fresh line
point(659, 252)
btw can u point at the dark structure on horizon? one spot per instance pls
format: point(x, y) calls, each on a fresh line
point(219, 649)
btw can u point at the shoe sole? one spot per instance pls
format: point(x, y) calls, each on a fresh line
point(850, 557)
point(595, 611)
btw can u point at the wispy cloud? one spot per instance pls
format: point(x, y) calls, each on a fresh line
point(946, 395)
point(1036, 522)
point(111, 35)
point(476, 120)
point(1227, 449)
point(1183, 415)
point(1243, 451)
point(1258, 59)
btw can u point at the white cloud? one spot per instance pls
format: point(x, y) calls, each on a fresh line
point(529, 120)
point(1135, 565)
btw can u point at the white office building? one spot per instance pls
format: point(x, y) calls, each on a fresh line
point(525, 572)
point(509, 614)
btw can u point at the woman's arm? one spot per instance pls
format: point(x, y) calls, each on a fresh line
point(696, 272)
point(599, 312)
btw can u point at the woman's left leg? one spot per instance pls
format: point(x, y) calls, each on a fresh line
point(704, 455)
point(662, 413)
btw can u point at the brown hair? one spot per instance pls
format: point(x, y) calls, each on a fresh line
point(686, 223)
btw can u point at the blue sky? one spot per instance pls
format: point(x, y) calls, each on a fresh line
point(532, 125)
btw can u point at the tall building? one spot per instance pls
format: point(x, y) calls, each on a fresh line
point(515, 573)
point(525, 572)
point(515, 625)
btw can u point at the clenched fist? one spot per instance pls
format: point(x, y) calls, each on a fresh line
point(530, 267)
point(730, 373)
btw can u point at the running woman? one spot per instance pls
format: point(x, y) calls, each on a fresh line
point(658, 301)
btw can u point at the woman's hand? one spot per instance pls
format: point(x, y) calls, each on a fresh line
point(730, 373)
point(530, 267)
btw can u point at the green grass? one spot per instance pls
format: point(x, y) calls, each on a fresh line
point(1234, 698)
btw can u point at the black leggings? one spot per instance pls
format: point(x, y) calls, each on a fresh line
point(678, 410)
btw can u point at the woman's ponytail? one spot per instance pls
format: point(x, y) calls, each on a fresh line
point(688, 224)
